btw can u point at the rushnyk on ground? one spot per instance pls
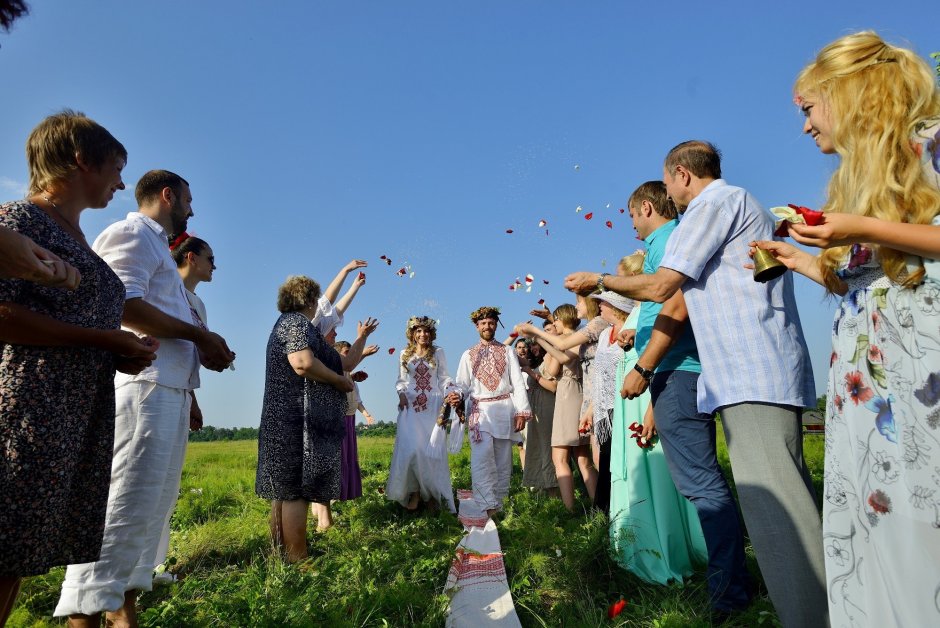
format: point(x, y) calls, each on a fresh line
point(382, 566)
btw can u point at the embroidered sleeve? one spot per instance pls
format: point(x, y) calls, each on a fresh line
point(520, 399)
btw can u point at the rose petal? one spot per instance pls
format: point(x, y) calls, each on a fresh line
point(609, 224)
point(811, 216)
point(391, 350)
point(362, 275)
point(621, 210)
point(616, 608)
point(588, 215)
point(508, 230)
point(529, 278)
point(514, 334)
point(542, 223)
point(545, 281)
point(541, 301)
point(578, 209)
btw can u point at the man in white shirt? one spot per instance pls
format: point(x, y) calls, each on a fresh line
point(153, 407)
point(490, 379)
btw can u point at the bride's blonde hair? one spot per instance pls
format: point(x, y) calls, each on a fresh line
point(413, 324)
point(876, 94)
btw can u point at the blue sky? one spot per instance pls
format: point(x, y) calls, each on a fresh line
point(316, 132)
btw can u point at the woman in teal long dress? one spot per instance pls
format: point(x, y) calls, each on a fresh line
point(654, 531)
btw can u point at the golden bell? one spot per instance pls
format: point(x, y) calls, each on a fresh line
point(766, 266)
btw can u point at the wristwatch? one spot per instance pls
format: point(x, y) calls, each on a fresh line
point(644, 373)
point(600, 282)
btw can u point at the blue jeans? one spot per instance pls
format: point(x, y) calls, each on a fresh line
point(688, 440)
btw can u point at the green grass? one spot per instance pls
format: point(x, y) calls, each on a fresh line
point(382, 566)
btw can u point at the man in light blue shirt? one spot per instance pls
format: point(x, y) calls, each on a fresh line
point(666, 345)
point(755, 368)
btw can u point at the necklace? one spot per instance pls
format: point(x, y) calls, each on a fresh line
point(75, 229)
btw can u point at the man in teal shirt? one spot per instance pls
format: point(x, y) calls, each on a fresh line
point(670, 367)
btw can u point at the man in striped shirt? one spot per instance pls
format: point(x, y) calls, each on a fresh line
point(755, 368)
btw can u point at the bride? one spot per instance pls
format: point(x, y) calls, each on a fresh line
point(414, 475)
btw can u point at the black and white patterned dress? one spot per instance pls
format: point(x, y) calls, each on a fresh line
point(56, 412)
point(302, 424)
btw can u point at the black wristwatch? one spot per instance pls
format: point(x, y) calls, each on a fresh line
point(644, 373)
point(600, 282)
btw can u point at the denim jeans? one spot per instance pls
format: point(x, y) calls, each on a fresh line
point(688, 440)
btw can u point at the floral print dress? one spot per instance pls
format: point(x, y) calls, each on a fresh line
point(881, 513)
point(56, 412)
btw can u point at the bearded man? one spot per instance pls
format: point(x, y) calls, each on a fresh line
point(490, 379)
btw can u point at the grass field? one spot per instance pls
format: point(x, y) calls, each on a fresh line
point(382, 566)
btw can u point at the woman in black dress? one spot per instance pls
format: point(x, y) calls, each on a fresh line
point(59, 349)
point(302, 424)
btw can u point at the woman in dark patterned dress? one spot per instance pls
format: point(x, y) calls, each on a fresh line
point(302, 424)
point(58, 353)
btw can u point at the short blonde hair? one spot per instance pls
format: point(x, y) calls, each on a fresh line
point(632, 264)
point(53, 145)
point(297, 293)
point(567, 314)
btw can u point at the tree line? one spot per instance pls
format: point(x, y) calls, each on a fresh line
point(210, 433)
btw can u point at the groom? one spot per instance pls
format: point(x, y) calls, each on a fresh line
point(490, 379)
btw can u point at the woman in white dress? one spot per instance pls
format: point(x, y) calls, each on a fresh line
point(415, 476)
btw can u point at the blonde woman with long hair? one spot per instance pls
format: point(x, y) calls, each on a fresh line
point(878, 107)
point(415, 476)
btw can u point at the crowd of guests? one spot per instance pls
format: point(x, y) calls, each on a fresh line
point(102, 344)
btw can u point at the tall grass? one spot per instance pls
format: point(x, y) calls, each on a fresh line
point(382, 566)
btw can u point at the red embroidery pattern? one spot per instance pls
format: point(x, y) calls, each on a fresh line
point(422, 385)
point(473, 416)
point(487, 362)
point(471, 569)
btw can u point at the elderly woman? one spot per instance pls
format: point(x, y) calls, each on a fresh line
point(302, 415)
point(58, 354)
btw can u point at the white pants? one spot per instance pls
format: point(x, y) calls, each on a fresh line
point(490, 466)
point(150, 433)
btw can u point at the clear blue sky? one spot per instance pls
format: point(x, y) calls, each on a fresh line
point(316, 132)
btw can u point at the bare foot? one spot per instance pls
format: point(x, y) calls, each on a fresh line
point(413, 502)
point(126, 616)
point(491, 512)
point(85, 621)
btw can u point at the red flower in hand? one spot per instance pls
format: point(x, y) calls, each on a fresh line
point(811, 216)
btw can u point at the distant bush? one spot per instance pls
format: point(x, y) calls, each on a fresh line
point(209, 433)
point(382, 428)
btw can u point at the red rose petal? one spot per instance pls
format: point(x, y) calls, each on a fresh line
point(616, 608)
point(541, 301)
point(811, 216)
point(514, 335)
point(609, 224)
point(545, 281)
point(588, 215)
point(362, 275)
point(382, 257)
point(621, 210)
point(508, 230)
point(391, 350)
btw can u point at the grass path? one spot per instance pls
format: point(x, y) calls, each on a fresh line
point(382, 566)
